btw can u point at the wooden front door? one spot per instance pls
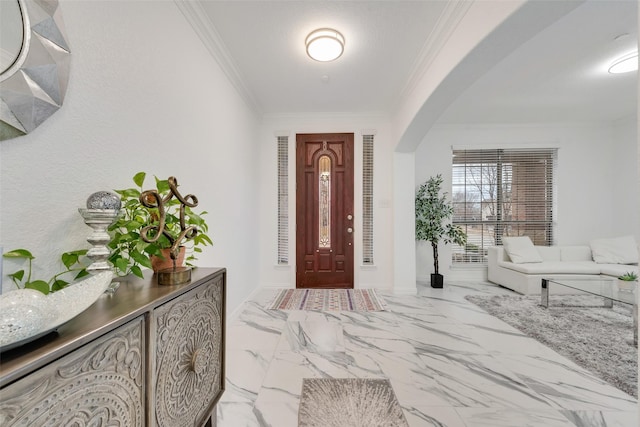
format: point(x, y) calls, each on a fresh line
point(324, 210)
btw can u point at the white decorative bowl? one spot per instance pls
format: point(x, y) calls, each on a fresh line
point(27, 314)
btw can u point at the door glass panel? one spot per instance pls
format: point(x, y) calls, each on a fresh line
point(324, 205)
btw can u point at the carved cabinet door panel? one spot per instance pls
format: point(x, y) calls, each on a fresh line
point(189, 356)
point(100, 384)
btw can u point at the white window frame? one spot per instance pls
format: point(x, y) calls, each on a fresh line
point(283, 200)
point(522, 205)
point(367, 199)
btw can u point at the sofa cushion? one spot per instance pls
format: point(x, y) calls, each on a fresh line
point(575, 253)
point(619, 250)
point(551, 253)
point(521, 250)
point(617, 269)
point(555, 267)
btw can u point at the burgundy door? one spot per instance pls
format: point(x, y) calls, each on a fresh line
point(324, 210)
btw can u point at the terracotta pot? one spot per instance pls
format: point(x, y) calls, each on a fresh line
point(158, 263)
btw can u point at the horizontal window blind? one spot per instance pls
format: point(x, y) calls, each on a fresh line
point(283, 200)
point(367, 199)
point(503, 192)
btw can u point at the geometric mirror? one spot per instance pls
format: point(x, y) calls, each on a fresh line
point(34, 64)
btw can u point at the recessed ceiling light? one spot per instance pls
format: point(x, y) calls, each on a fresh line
point(325, 44)
point(625, 64)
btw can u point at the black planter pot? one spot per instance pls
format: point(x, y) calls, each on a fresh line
point(437, 280)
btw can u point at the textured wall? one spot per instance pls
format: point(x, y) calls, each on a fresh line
point(144, 94)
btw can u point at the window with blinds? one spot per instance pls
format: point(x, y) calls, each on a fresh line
point(503, 192)
point(283, 200)
point(367, 199)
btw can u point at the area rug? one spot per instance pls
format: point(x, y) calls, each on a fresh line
point(598, 339)
point(328, 300)
point(353, 402)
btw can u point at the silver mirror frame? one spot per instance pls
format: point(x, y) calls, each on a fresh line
point(33, 88)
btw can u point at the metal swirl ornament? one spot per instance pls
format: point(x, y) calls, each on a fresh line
point(151, 199)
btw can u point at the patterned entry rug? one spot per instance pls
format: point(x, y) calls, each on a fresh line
point(598, 339)
point(349, 402)
point(328, 300)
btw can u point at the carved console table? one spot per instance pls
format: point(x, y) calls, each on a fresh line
point(147, 355)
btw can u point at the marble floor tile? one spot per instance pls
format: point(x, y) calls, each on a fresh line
point(245, 371)
point(506, 340)
point(409, 378)
point(277, 414)
point(475, 369)
point(287, 369)
point(602, 418)
point(566, 385)
point(367, 336)
point(314, 336)
point(432, 317)
point(492, 417)
point(450, 364)
point(406, 304)
point(432, 416)
point(503, 396)
point(236, 414)
point(439, 339)
point(257, 314)
point(380, 319)
point(252, 337)
point(314, 316)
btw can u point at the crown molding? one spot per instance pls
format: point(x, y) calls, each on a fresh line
point(327, 115)
point(446, 25)
point(206, 31)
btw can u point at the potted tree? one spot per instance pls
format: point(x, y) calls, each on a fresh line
point(129, 251)
point(433, 212)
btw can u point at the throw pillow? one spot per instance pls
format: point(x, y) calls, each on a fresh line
point(619, 250)
point(521, 250)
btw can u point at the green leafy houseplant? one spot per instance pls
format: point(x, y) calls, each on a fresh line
point(628, 281)
point(629, 276)
point(73, 262)
point(129, 251)
point(433, 213)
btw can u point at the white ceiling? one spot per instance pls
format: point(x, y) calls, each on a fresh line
point(561, 74)
point(557, 75)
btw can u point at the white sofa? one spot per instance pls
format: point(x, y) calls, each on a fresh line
point(561, 262)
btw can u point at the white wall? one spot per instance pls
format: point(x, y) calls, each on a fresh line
point(404, 223)
point(626, 174)
point(381, 274)
point(589, 177)
point(144, 94)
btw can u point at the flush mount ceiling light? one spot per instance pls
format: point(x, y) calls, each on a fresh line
point(625, 64)
point(325, 44)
